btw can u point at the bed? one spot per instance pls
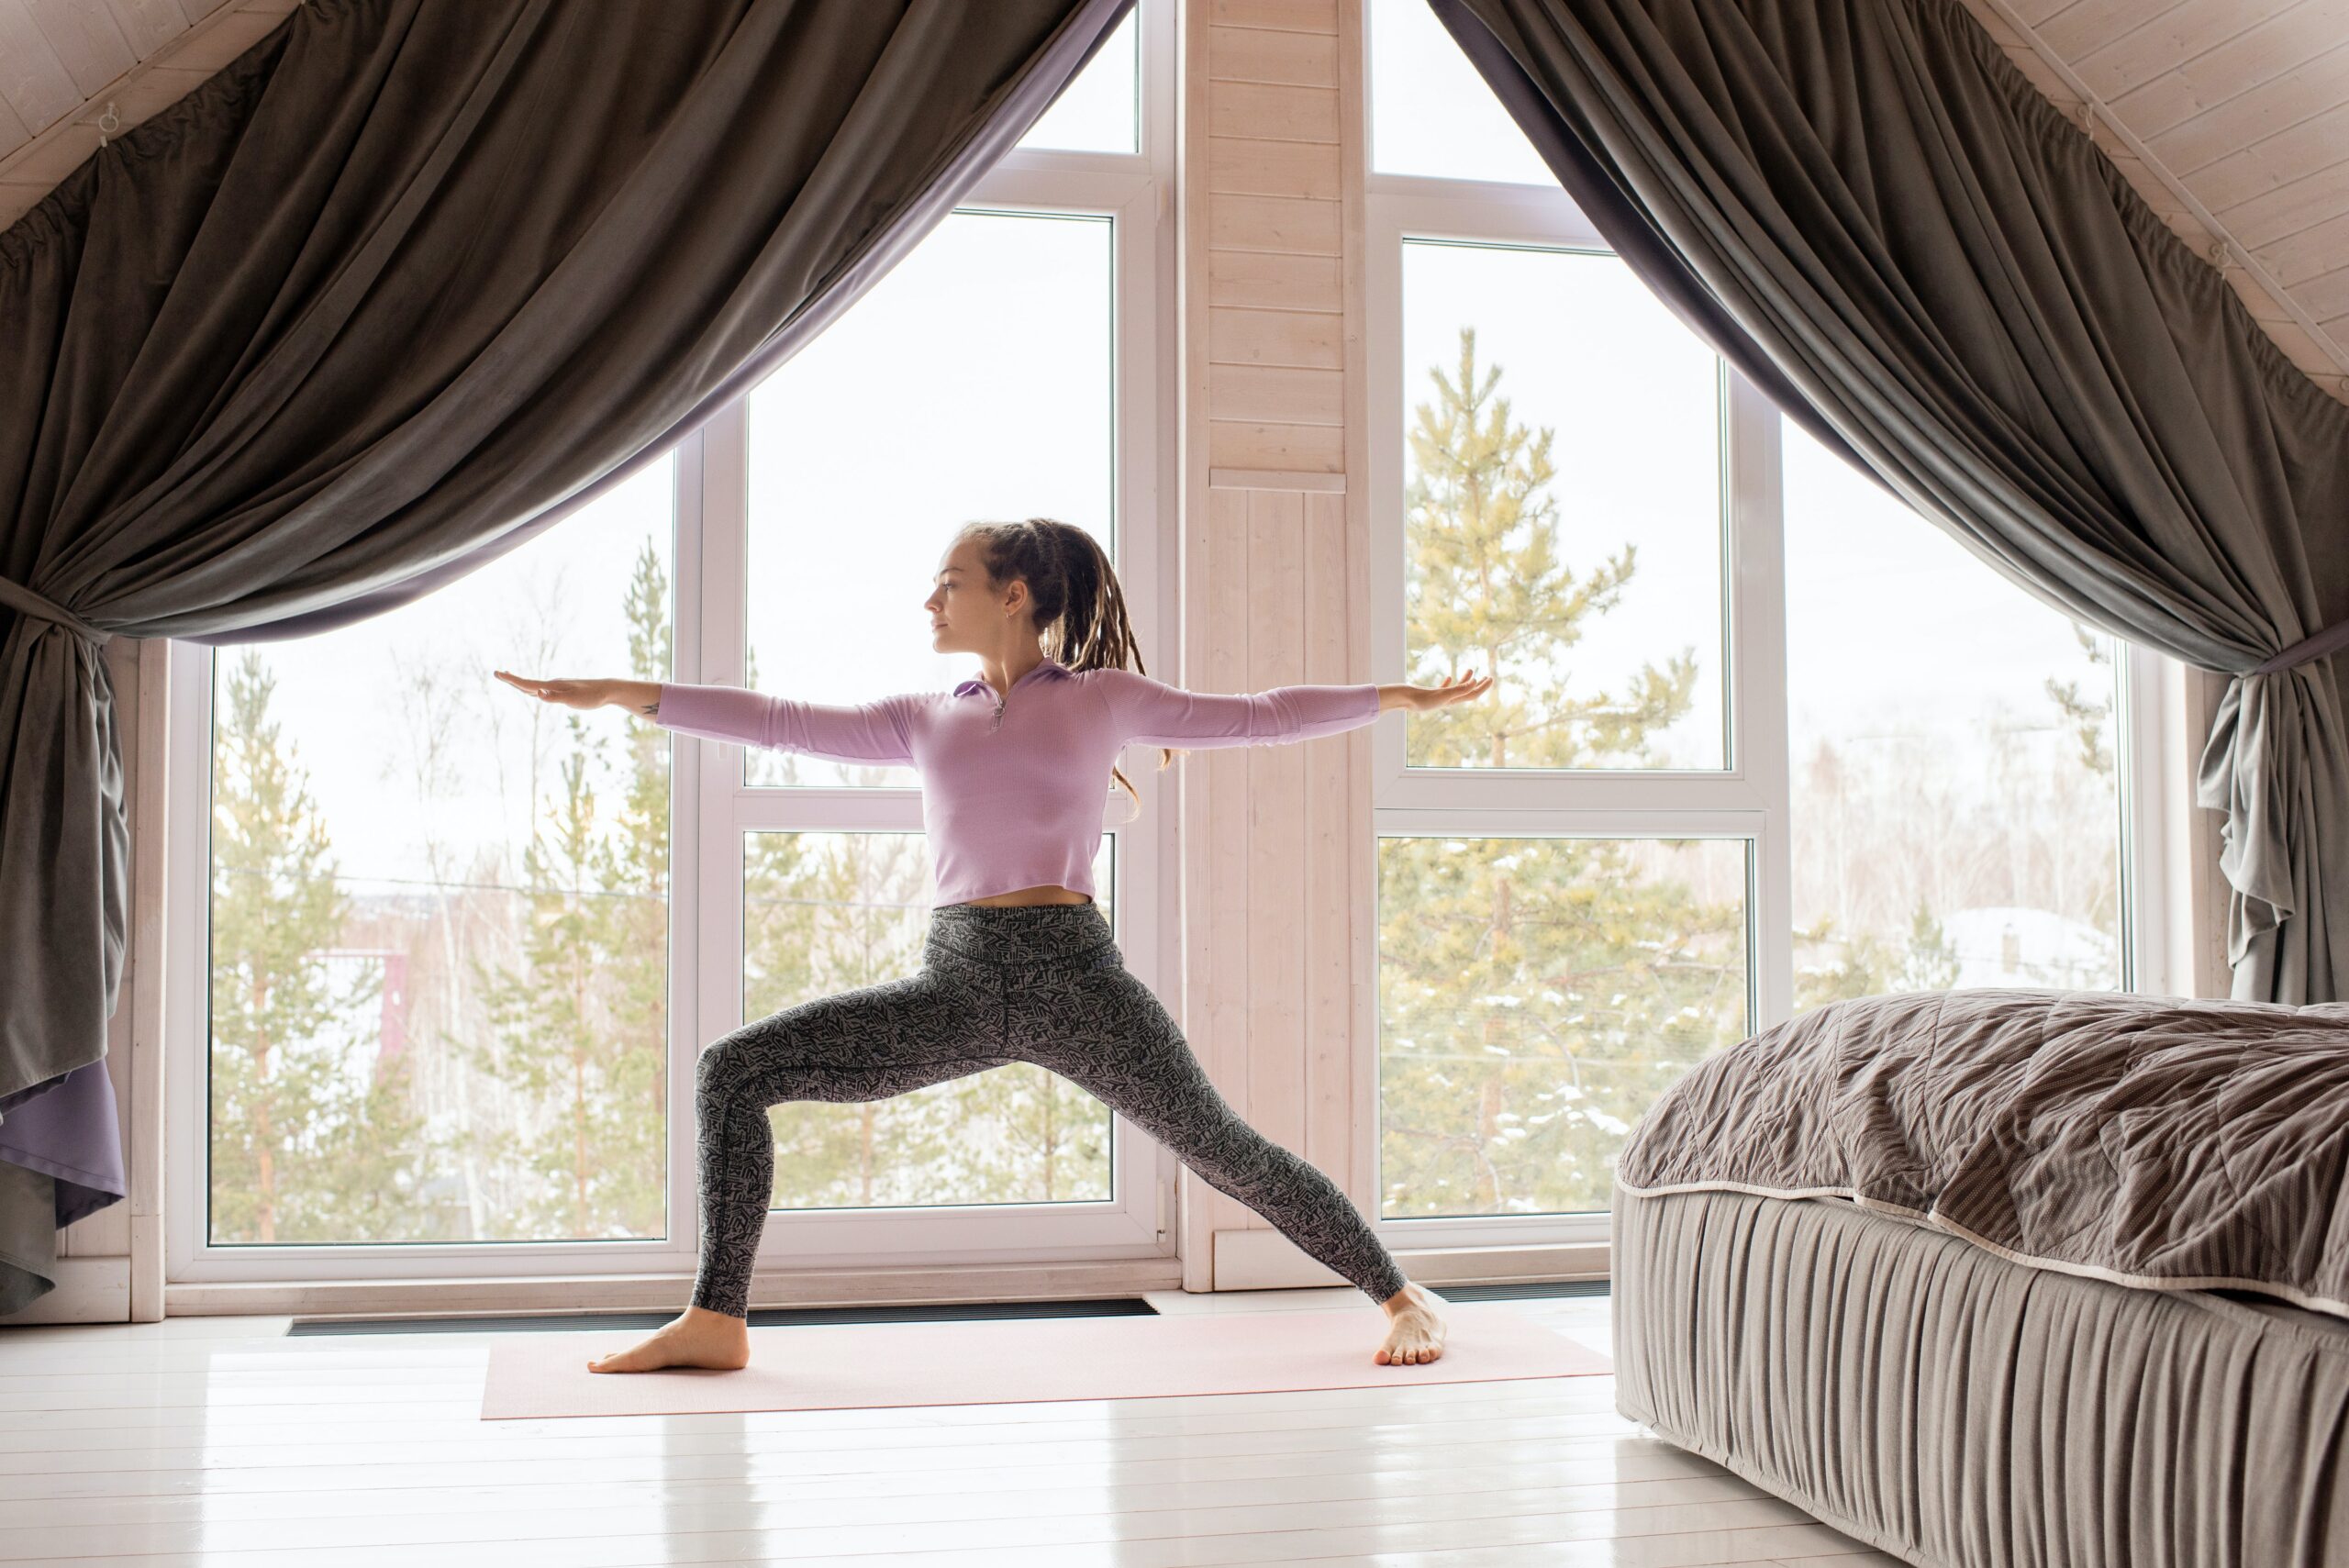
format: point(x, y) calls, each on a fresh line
point(1988, 1278)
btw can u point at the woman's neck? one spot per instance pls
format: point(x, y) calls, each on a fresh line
point(1004, 671)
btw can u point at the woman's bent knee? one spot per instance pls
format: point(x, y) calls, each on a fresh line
point(721, 1067)
point(759, 1045)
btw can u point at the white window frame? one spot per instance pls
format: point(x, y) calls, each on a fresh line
point(710, 811)
point(1749, 800)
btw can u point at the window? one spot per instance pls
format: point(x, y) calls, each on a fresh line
point(1956, 821)
point(439, 920)
point(1729, 775)
point(455, 951)
point(1101, 111)
point(1430, 113)
point(1561, 527)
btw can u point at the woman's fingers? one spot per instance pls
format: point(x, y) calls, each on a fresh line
point(562, 691)
point(1465, 686)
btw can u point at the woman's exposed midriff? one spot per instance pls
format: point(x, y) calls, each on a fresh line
point(1027, 897)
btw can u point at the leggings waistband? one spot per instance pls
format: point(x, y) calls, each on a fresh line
point(1035, 933)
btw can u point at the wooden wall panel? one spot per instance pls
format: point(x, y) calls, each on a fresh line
point(1219, 924)
point(1257, 444)
point(1273, 224)
point(1326, 1133)
point(1238, 166)
point(1277, 970)
point(1278, 394)
point(1275, 823)
point(1295, 15)
point(1258, 54)
point(1266, 280)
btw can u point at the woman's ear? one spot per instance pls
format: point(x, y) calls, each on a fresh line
point(1015, 597)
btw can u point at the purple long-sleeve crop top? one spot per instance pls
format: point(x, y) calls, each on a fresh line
point(1012, 792)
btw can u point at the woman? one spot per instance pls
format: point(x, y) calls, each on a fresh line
point(1017, 964)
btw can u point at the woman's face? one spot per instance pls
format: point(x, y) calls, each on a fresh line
point(966, 614)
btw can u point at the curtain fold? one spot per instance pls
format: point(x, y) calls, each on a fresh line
point(1866, 198)
point(397, 290)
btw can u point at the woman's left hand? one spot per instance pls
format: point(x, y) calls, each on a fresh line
point(1466, 687)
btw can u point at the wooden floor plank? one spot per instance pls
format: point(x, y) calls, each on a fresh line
point(217, 1443)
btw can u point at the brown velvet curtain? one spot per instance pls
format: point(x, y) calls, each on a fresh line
point(397, 289)
point(1868, 209)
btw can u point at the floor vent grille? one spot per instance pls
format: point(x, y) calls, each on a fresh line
point(763, 1317)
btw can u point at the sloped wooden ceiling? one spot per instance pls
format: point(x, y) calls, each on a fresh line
point(2230, 116)
point(62, 63)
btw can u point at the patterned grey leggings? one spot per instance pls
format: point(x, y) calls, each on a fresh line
point(997, 986)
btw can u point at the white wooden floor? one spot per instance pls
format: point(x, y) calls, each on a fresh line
point(218, 1441)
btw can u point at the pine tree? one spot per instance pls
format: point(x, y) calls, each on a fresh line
point(636, 925)
point(1931, 962)
point(1537, 994)
point(580, 1028)
point(310, 1143)
point(1489, 589)
point(2090, 721)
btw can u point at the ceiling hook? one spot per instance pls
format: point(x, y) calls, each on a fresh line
point(109, 123)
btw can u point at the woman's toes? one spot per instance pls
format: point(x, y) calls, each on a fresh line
point(658, 1350)
point(619, 1361)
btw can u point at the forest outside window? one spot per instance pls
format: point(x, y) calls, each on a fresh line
point(1764, 738)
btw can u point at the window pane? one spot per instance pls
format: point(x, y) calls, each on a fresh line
point(439, 917)
point(974, 381)
point(1535, 996)
point(825, 912)
point(1950, 744)
point(1430, 113)
point(1101, 110)
point(1562, 513)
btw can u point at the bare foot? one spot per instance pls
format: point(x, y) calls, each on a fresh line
point(696, 1338)
point(1417, 1334)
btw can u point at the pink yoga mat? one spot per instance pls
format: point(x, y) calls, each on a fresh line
point(1021, 1359)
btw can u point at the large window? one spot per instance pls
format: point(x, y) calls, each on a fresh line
point(450, 953)
point(436, 956)
point(1955, 759)
point(1763, 737)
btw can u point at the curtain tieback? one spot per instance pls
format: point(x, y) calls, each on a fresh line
point(17, 596)
point(2315, 646)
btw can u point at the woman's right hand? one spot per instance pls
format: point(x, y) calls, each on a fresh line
point(569, 694)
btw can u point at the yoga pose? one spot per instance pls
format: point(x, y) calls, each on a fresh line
point(1017, 964)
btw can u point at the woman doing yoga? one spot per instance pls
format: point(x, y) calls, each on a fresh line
point(1017, 964)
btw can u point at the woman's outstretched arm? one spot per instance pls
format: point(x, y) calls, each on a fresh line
point(878, 731)
point(1152, 713)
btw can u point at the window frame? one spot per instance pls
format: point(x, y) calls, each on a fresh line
point(1745, 801)
point(1749, 799)
point(711, 808)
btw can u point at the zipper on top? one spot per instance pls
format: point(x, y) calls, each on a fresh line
point(1001, 698)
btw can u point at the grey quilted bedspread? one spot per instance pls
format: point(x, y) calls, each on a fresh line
point(2159, 1142)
